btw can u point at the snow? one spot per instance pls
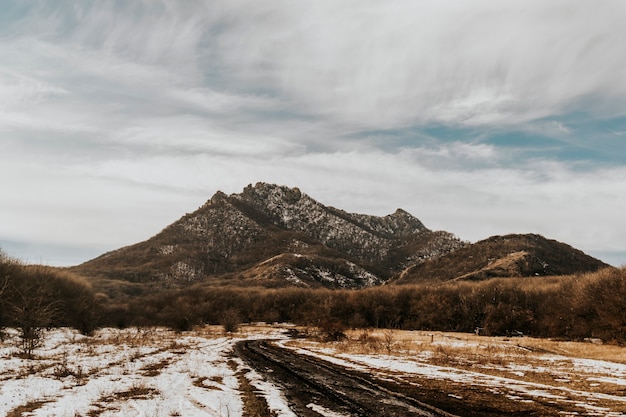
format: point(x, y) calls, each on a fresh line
point(132, 372)
point(609, 380)
point(324, 411)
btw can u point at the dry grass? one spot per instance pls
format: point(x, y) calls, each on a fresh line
point(155, 369)
point(212, 383)
point(403, 341)
point(26, 408)
point(110, 402)
point(587, 350)
point(136, 392)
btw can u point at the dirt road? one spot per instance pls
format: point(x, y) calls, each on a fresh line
point(315, 387)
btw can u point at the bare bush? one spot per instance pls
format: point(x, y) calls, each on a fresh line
point(332, 330)
point(388, 340)
point(231, 319)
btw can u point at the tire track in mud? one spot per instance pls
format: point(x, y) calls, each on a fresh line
point(310, 381)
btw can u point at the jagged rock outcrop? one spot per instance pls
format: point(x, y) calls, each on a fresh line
point(365, 237)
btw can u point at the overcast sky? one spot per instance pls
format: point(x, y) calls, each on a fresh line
point(478, 117)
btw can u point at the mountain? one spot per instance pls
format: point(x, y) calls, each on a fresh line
point(277, 236)
point(274, 235)
point(502, 256)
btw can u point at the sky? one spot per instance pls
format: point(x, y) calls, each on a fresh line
point(479, 118)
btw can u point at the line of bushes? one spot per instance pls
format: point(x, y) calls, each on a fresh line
point(571, 307)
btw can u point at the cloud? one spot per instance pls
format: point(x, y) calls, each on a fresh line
point(351, 66)
point(365, 64)
point(395, 63)
point(17, 90)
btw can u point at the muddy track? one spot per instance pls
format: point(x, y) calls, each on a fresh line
point(309, 383)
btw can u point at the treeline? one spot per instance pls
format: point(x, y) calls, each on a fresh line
point(570, 307)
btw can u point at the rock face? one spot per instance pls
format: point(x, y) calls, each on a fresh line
point(275, 235)
point(364, 237)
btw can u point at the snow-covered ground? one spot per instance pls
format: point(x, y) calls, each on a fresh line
point(130, 372)
point(157, 372)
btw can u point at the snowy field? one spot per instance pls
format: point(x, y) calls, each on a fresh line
point(157, 372)
point(130, 372)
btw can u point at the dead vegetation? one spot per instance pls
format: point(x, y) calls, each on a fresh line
point(110, 402)
point(155, 369)
point(22, 410)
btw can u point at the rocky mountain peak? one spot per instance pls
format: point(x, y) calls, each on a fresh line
point(232, 234)
point(363, 236)
point(404, 223)
point(262, 191)
point(218, 197)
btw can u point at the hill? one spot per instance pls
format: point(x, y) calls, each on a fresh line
point(275, 236)
point(502, 256)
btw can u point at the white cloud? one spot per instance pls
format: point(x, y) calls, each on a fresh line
point(395, 62)
point(219, 102)
point(369, 64)
point(18, 90)
point(353, 64)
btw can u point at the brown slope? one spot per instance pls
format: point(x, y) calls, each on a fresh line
point(308, 271)
point(503, 256)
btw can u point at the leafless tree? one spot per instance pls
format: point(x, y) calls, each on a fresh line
point(31, 311)
point(388, 340)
